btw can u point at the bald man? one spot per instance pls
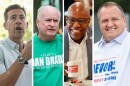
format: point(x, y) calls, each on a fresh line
point(48, 56)
point(78, 42)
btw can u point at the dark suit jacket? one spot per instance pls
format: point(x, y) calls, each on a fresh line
point(89, 50)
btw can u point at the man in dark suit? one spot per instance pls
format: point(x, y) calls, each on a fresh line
point(78, 39)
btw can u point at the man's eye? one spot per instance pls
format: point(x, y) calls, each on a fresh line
point(72, 20)
point(82, 20)
point(55, 20)
point(104, 21)
point(13, 17)
point(22, 17)
point(115, 19)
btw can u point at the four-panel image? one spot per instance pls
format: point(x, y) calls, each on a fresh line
point(64, 43)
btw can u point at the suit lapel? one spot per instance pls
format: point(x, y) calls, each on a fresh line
point(66, 46)
point(89, 53)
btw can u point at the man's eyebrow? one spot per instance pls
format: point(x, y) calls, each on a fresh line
point(19, 15)
point(22, 15)
point(13, 15)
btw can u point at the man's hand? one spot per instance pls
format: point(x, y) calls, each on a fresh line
point(27, 51)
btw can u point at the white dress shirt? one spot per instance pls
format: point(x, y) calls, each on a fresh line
point(77, 52)
point(112, 61)
point(9, 52)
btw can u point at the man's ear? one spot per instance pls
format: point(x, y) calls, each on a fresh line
point(125, 22)
point(37, 23)
point(66, 19)
point(27, 25)
point(5, 25)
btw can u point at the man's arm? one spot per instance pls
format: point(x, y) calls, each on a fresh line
point(10, 77)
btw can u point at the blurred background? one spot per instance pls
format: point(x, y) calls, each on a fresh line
point(125, 4)
point(56, 3)
point(27, 4)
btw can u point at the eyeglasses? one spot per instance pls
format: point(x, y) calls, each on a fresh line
point(72, 20)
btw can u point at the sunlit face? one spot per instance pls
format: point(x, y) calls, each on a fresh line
point(77, 23)
point(112, 22)
point(16, 24)
point(48, 24)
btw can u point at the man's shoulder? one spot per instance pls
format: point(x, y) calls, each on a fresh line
point(3, 46)
point(59, 36)
point(35, 35)
point(128, 35)
point(96, 44)
point(35, 38)
point(3, 43)
point(127, 39)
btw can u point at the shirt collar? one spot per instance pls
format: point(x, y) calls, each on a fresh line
point(118, 39)
point(12, 44)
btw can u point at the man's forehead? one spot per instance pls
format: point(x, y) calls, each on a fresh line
point(78, 6)
point(78, 9)
point(112, 8)
point(79, 14)
point(16, 12)
point(50, 15)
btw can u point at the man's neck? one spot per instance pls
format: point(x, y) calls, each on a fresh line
point(47, 38)
point(78, 41)
point(19, 42)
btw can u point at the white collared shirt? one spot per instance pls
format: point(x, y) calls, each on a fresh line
point(9, 52)
point(111, 61)
point(77, 52)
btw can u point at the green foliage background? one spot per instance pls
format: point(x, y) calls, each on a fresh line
point(27, 4)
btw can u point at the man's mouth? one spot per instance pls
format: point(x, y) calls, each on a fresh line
point(111, 29)
point(51, 29)
point(76, 30)
point(18, 28)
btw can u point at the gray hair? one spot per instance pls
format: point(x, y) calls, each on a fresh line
point(48, 6)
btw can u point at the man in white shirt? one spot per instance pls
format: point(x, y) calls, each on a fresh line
point(112, 53)
point(15, 55)
point(77, 39)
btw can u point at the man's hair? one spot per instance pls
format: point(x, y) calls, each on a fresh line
point(108, 4)
point(44, 7)
point(12, 7)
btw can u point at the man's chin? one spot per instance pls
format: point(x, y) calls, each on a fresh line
point(19, 35)
point(77, 38)
point(52, 34)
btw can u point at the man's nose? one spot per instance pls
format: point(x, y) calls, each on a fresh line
point(110, 24)
point(76, 24)
point(18, 21)
point(52, 23)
